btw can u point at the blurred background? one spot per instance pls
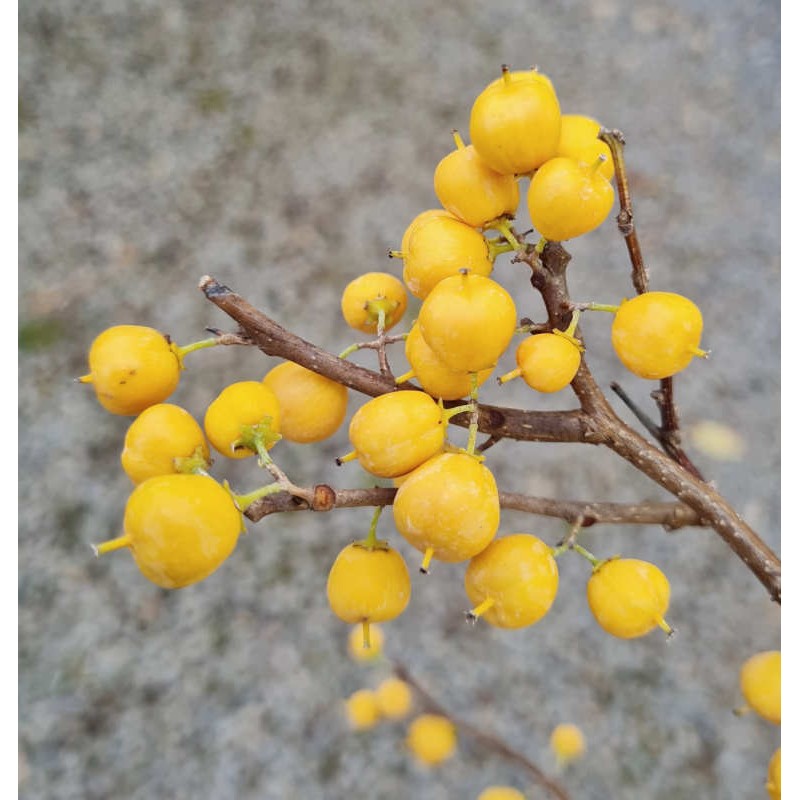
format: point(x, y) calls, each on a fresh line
point(283, 147)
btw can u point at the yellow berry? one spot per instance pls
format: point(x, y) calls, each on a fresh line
point(312, 407)
point(157, 437)
point(568, 198)
point(579, 141)
point(433, 376)
point(501, 793)
point(547, 362)
point(367, 295)
point(432, 739)
point(628, 597)
point(394, 698)
point(512, 582)
point(515, 123)
point(773, 786)
point(239, 406)
point(440, 247)
point(368, 584)
point(468, 321)
point(396, 432)
point(179, 528)
point(362, 710)
point(760, 681)
point(471, 190)
point(656, 334)
point(424, 216)
point(132, 367)
point(567, 743)
point(355, 643)
point(448, 506)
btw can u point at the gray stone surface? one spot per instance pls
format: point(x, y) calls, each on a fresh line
point(282, 147)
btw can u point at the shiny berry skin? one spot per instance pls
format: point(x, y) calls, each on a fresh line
point(760, 682)
point(449, 505)
point(579, 141)
point(515, 123)
point(656, 334)
point(628, 597)
point(179, 528)
point(547, 362)
point(159, 435)
point(132, 367)
point(432, 375)
point(241, 404)
point(518, 575)
point(432, 739)
point(396, 432)
point(423, 216)
point(468, 321)
point(368, 584)
point(312, 407)
point(568, 198)
point(364, 296)
point(471, 190)
point(438, 248)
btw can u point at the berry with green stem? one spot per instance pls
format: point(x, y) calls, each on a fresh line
point(579, 141)
point(439, 247)
point(627, 596)
point(369, 581)
point(657, 334)
point(374, 302)
point(243, 420)
point(568, 198)
point(515, 122)
point(164, 439)
point(180, 528)
point(548, 362)
point(471, 190)
point(132, 367)
point(513, 582)
point(396, 432)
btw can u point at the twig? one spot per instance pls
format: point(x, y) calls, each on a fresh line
point(325, 498)
point(481, 736)
point(710, 506)
point(668, 434)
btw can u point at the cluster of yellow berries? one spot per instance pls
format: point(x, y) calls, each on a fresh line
point(181, 524)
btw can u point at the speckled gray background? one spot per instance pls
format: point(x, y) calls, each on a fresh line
point(282, 147)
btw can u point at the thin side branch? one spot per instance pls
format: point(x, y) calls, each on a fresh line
point(483, 737)
point(274, 340)
point(325, 498)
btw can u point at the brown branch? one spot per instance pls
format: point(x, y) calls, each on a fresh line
point(668, 434)
point(669, 515)
point(483, 737)
point(548, 275)
point(274, 340)
point(595, 422)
